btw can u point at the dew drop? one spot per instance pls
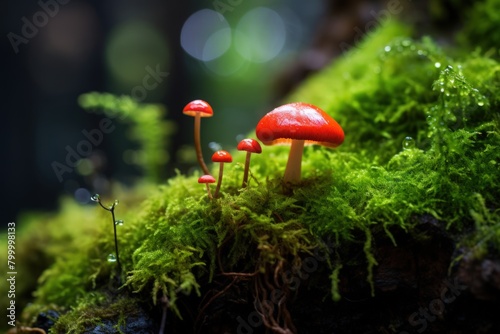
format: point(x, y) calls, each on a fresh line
point(116, 202)
point(437, 64)
point(387, 48)
point(95, 198)
point(408, 143)
point(119, 222)
point(111, 258)
point(480, 103)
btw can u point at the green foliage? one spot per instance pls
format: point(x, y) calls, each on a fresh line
point(481, 26)
point(147, 127)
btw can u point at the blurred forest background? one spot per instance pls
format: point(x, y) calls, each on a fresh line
point(55, 50)
point(241, 56)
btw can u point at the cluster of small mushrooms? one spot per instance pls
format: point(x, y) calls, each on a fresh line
point(295, 124)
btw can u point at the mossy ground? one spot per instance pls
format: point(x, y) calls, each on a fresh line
point(422, 139)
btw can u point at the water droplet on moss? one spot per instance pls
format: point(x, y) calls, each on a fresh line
point(111, 258)
point(387, 48)
point(480, 103)
point(95, 198)
point(117, 202)
point(408, 143)
point(437, 64)
point(119, 222)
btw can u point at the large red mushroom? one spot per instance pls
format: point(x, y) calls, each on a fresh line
point(298, 124)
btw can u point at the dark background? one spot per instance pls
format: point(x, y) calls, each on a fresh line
point(76, 52)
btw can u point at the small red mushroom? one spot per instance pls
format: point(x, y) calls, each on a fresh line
point(207, 179)
point(198, 109)
point(298, 124)
point(222, 157)
point(250, 146)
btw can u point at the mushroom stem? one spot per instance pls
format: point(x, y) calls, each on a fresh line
point(294, 164)
point(208, 191)
point(197, 143)
point(219, 181)
point(247, 167)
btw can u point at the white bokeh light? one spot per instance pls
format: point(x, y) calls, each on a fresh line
point(260, 35)
point(206, 35)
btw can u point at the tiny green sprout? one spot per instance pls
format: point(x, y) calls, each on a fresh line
point(111, 208)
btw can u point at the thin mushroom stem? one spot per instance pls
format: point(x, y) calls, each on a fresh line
point(197, 143)
point(219, 181)
point(247, 167)
point(208, 191)
point(294, 164)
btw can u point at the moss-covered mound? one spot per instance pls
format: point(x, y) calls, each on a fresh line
point(419, 166)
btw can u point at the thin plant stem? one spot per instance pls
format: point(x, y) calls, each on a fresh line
point(112, 210)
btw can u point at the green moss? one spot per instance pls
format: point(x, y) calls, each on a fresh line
point(422, 137)
point(96, 308)
point(147, 128)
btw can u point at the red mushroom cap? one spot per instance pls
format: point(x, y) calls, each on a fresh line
point(222, 156)
point(206, 179)
point(198, 107)
point(249, 145)
point(300, 121)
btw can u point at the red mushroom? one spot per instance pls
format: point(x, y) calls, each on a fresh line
point(198, 109)
point(298, 124)
point(207, 179)
point(222, 157)
point(250, 146)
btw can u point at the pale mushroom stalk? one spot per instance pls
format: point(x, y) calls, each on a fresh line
point(294, 163)
point(208, 191)
point(197, 143)
point(219, 180)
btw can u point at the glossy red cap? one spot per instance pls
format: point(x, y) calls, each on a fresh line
point(222, 156)
point(206, 179)
point(301, 121)
point(249, 145)
point(198, 107)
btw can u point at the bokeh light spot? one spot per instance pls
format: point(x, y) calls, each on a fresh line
point(82, 196)
point(260, 35)
point(133, 47)
point(206, 35)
